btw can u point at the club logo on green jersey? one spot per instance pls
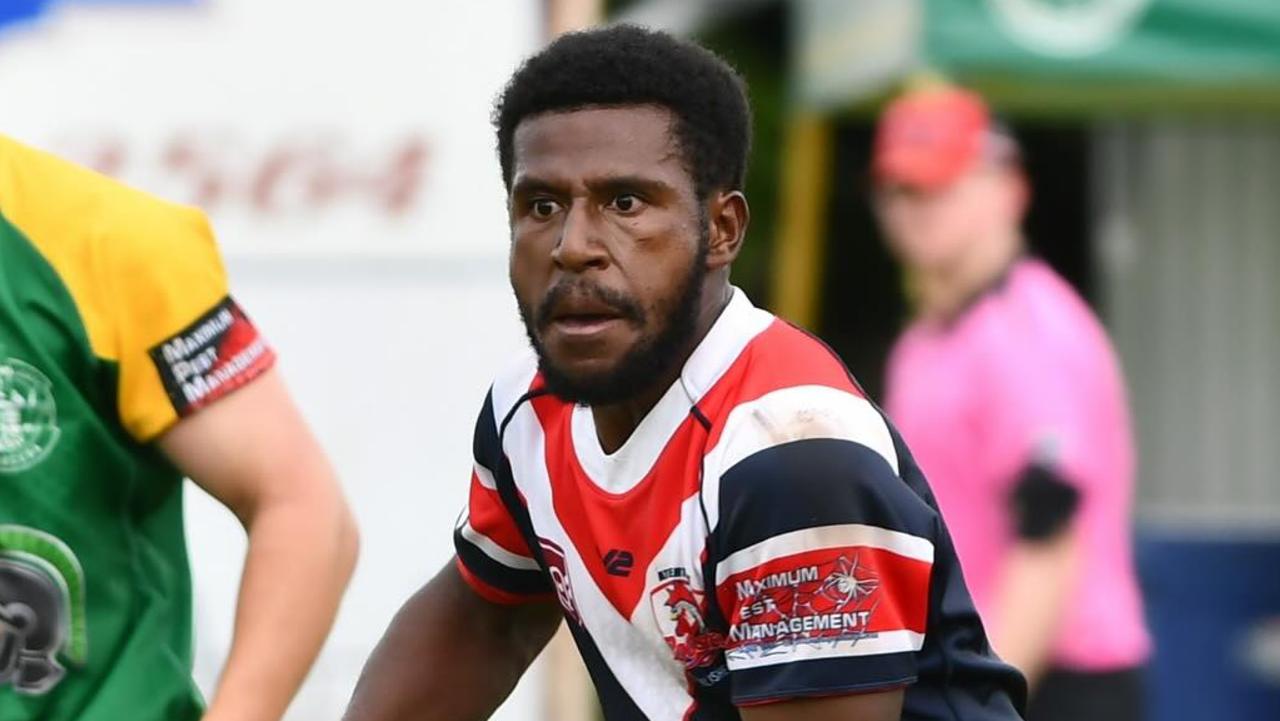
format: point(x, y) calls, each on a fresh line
point(42, 610)
point(28, 416)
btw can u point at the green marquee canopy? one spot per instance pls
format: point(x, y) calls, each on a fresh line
point(1045, 56)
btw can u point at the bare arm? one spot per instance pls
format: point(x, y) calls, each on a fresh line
point(879, 706)
point(253, 452)
point(1036, 582)
point(450, 655)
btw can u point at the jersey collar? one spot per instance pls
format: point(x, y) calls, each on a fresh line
point(622, 470)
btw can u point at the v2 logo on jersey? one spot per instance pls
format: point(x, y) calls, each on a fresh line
point(619, 563)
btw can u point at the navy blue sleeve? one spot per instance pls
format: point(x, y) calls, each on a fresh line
point(493, 555)
point(822, 559)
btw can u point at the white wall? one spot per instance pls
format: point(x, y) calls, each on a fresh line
point(384, 291)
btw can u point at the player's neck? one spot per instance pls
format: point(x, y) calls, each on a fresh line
point(617, 421)
point(944, 292)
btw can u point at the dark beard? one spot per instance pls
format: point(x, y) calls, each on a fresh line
point(651, 359)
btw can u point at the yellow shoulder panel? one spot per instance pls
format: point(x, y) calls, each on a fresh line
point(139, 269)
point(54, 203)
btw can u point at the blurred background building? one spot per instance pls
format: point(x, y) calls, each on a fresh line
point(344, 153)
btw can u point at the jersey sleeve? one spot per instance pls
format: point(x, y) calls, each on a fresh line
point(181, 341)
point(493, 556)
point(823, 556)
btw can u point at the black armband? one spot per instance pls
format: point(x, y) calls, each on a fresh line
point(1043, 503)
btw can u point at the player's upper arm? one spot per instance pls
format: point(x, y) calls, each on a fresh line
point(194, 374)
point(823, 555)
point(493, 556)
point(180, 341)
point(253, 448)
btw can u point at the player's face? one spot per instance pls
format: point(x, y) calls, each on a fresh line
point(931, 229)
point(608, 248)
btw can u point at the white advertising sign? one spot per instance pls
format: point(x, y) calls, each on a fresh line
point(343, 150)
point(319, 127)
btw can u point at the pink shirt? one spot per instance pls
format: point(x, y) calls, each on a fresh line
point(1027, 374)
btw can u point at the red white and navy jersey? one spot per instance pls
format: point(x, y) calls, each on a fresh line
point(762, 535)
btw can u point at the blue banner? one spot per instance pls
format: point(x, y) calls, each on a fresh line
point(15, 11)
point(1213, 604)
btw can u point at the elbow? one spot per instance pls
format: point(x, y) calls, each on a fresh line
point(344, 538)
point(334, 535)
point(348, 552)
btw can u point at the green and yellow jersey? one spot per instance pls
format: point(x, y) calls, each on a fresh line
point(115, 321)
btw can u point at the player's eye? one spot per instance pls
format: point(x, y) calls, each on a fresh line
point(626, 203)
point(543, 208)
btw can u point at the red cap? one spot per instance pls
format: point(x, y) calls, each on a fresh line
point(930, 137)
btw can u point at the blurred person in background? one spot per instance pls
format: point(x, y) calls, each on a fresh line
point(1007, 388)
point(729, 528)
point(125, 366)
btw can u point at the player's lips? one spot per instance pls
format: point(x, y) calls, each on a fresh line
point(585, 317)
point(584, 325)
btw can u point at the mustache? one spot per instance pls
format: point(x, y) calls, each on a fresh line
point(625, 306)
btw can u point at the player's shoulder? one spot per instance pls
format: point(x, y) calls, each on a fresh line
point(795, 390)
point(827, 424)
point(92, 228)
point(76, 202)
point(511, 383)
point(797, 414)
point(810, 455)
point(786, 355)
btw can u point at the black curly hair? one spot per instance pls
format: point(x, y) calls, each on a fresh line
point(629, 65)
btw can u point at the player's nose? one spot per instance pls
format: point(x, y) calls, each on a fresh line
point(580, 246)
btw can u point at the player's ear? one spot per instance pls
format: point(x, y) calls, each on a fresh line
point(727, 216)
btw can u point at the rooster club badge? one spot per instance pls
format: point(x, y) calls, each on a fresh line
point(678, 608)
